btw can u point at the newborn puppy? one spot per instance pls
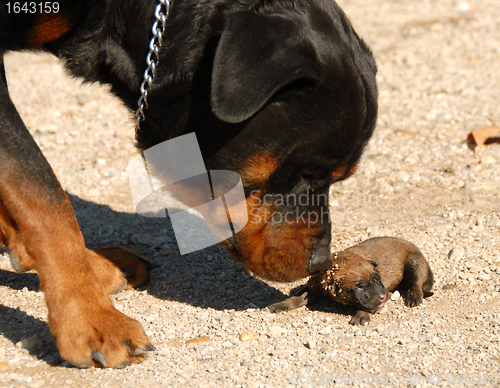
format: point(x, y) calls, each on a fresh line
point(362, 275)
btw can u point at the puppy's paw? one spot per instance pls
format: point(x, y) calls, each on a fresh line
point(361, 318)
point(413, 301)
point(291, 303)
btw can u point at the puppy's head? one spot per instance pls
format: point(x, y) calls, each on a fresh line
point(353, 280)
point(285, 95)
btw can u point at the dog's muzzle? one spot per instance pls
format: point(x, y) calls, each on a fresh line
point(321, 257)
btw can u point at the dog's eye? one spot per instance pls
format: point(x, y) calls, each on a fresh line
point(307, 175)
point(313, 175)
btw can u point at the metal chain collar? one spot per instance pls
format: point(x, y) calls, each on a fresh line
point(162, 12)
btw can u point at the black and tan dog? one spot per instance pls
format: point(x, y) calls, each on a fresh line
point(361, 276)
point(281, 91)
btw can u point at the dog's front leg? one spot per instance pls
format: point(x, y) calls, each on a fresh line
point(39, 227)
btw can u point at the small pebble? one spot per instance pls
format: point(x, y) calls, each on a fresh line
point(487, 160)
point(249, 336)
point(36, 383)
point(275, 330)
point(198, 340)
point(125, 295)
point(144, 239)
point(456, 253)
point(280, 352)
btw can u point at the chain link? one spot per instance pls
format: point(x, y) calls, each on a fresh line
point(162, 12)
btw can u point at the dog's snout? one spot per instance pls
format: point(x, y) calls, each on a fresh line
point(320, 261)
point(321, 257)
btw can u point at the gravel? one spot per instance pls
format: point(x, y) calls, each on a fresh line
point(419, 179)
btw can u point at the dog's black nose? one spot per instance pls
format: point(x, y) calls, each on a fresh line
point(321, 257)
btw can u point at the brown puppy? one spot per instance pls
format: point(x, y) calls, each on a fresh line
point(361, 276)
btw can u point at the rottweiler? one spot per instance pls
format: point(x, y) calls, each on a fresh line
point(362, 274)
point(283, 92)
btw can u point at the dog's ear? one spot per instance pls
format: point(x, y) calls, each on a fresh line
point(257, 55)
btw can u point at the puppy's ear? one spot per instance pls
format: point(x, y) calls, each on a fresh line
point(257, 55)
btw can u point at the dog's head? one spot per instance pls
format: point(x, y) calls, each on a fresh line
point(353, 280)
point(285, 95)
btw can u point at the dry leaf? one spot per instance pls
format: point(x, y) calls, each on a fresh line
point(482, 134)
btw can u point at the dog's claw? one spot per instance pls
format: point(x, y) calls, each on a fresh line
point(139, 351)
point(16, 264)
point(99, 357)
point(413, 302)
point(150, 348)
point(83, 365)
point(128, 271)
point(119, 289)
point(124, 364)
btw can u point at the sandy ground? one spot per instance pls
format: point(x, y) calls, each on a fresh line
point(439, 78)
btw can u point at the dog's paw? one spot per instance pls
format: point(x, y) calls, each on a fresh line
point(118, 268)
point(95, 335)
